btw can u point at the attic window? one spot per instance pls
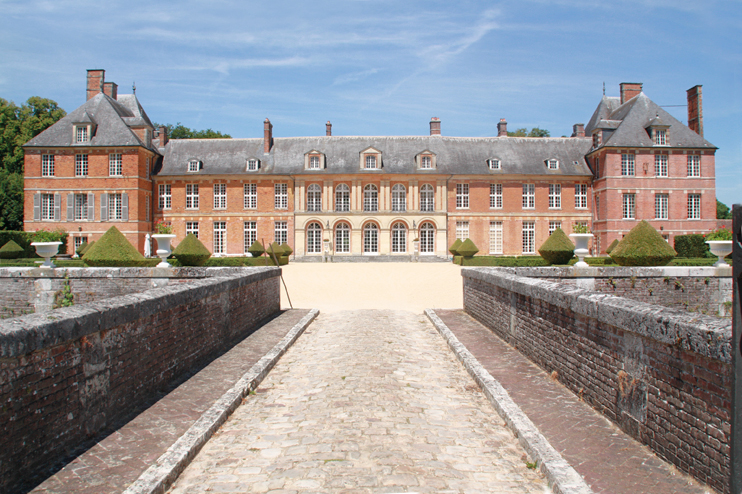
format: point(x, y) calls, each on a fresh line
point(370, 162)
point(251, 165)
point(194, 166)
point(81, 133)
point(660, 137)
point(552, 164)
point(494, 164)
point(314, 162)
point(426, 162)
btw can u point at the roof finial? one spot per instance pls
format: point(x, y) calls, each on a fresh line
point(134, 87)
point(603, 88)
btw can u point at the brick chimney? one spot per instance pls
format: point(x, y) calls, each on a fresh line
point(328, 128)
point(95, 82)
point(578, 130)
point(267, 136)
point(435, 126)
point(162, 135)
point(629, 90)
point(502, 128)
point(695, 110)
point(111, 89)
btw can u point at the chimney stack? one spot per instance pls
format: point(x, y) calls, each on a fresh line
point(578, 130)
point(267, 136)
point(95, 82)
point(435, 126)
point(695, 110)
point(163, 136)
point(328, 128)
point(629, 90)
point(111, 89)
point(502, 128)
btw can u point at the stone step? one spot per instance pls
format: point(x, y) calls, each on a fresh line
point(381, 258)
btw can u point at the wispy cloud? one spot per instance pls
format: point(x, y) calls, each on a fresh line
point(353, 77)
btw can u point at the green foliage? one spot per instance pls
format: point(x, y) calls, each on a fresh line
point(242, 261)
point(274, 248)
point(180, 131)
point(467, 248)
point(696, 261)
point(112, 249)
point(256, 249)
point(535, 132)
point(87, 248)
point(643, 246)
point(580, 228)
point(722, 211)
point(722, 233)
point(287, 251)
point(64, 297)
point(55, 236)
point(191, 252)
point(558, 248)
point(454, 246)
point(163, 227)
point(81, 249)
point(613, 246)
point(21, 238)
point(11, 200)
point(692, 246)
point(11, 250)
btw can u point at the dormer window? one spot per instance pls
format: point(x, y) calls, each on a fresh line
point(370, 161)
point(314, 162)
point(597, 138)
point(194, 166)
point(426, 160)
point(552, 164)
point(82, 133)
point(494, 164)
point(660, 137)
point(252, 165)
point(426, 163)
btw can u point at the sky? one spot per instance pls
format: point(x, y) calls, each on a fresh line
point(378, 67)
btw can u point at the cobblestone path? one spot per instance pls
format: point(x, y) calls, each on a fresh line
point(364, 402)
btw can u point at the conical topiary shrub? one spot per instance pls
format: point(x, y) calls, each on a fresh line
point(467, 248)
point(80, 251)
point(558, 248)
point(612, 246)
point(454, 247)
point(191, 252)
point(643, 246)
point(256, 249)
point(274, 248)
point(11, 250)
point(112, 249)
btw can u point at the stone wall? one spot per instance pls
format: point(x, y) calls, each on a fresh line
point(662, 376)
point(70, 374)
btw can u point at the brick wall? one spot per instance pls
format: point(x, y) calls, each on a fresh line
point(69, 376)
point(663, 377)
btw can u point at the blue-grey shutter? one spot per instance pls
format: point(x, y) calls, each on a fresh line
point(104, 207)
point(70, 207)
point(57, 207)
point(37, 207)
point(125, 206)
point(91, 206)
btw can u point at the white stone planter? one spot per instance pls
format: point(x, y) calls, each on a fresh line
point(721, 249)
point(47, 250)
point(581, 241)
point(163, 248)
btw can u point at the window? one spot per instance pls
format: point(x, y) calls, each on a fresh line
point(427, 238)
point(250, 196)
point(79, 241)
point(370, 162)
point(426, 162)
point(427, 199)
point(115, 207)
point(494, 164)
point(342, 238)
point(597, 168)
point(694, 206)
point(81, 165)
point(314, 162)
point(191, 196)
point(399, 238)
point(529, 196)
point(495, 237)
point(495, 196)
point(165, 197)
point(192, 228)
point(314, 238)
point(555, 196)
point(370, 198)
point(194, 166)
point(694, 165)
point(660, 165)
point(342, 198)
point(47, 166)
point(314, 198)
point(47, 206)
point(399, 198)
point(552, 164)
point(529, 237)
point(462, 196)
point(661, 206)
point(629, 208)
point(147, 207)
point(553, 225)
point(628, 168)
point(462, 230)
point(81, 206)
point(370, 239)
point(280, 232)
point(252, 165)
point(281, 196)
point(81, 133)
point(220, 196)
point(220, 237)
point(581, 196)
point(114, 165)
point(660, 137)
point(597, 210)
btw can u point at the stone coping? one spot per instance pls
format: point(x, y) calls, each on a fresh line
point(24, 334)
point(619, 271)
point(708, 336)
point(122, 272)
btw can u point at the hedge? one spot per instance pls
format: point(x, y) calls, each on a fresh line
point(692, 246)
point(24, 239)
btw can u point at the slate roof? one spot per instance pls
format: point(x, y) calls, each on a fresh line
point(454, 155)
point(112, 119)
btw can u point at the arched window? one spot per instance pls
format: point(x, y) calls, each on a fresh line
point(427, 238)
point(370, 239)
point(342, 238)
point(314, 198)
point(370, 198)
point(314, 238)
point(427, 199)
point(399, 198)
point(342, 198)
point(399, 238)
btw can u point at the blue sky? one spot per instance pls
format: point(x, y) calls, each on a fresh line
point(382, 67)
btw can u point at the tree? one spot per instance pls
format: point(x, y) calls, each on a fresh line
point(11, 200)
point(180, 131)
point(722, 211)
point(535, 132)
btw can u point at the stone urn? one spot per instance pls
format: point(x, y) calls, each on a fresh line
point(47, 250)
point(163, 248)
point(581, 241)
point(721, 249)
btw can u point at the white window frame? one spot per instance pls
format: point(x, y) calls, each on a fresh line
point(281, 232)
point(660, 137)
point(529, 196)
point(250, 234)
point(370, 239)
point(529, 237)
point(47, 207)
point(250, 196)
point(661, 206)
point(370, 162)
point(281, 196)
point(694, 165)
point(427, 198)
point(660, 165)
point(165, 196)
point(427, 238)
point(115, 207)
point(580, 196)
point(47, 166)
point(342, 238)
point(426, 162)
point(82, 133)
point(462, 230)
point(220, 196)
point(694, 206)
point(115, 165)
point(462, 196)
point(191, 196)
point(494, 164)
point(399, 198)
point(553, 225)
point(399, 238)
point(191, 227)
point(78, 241)
point(370, 198)
point(552, 164)
point(314, 198)
point(81, 165)
point(193, 166)
point(220, 237)
point(314, 238)
point(314, 163)
point(629, 206)
point(251, 165)
point(628, 165)
point(495, 237)
point(495, 196)
point(555, 196)
point(342, 198)
point(81, 207)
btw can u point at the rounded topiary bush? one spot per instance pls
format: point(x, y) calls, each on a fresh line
point(191, 252)
point(256, 249)
point(286, 249)
point(11, 250)
point(612, 246)
point(454, 247)
point(467, 248)
point(276, 249)
point(558, 248)
point(112, 249)
point(643, 246)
